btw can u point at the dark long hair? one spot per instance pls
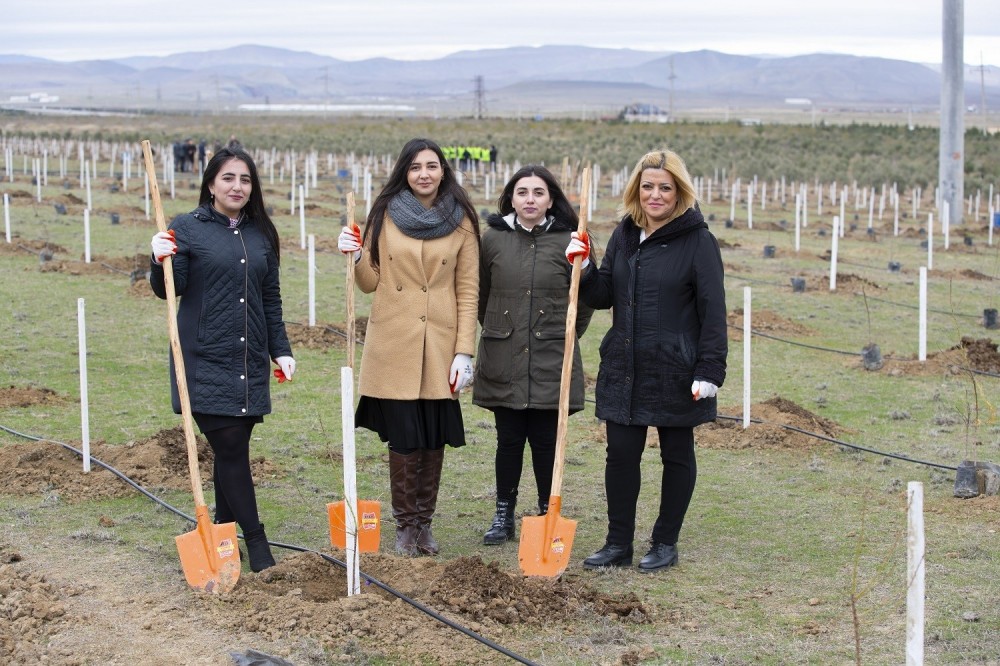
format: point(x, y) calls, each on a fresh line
point(562, 210)
point(254, 207)
point(398, 182)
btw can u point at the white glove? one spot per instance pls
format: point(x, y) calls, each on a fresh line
point(163, 245)
point(350, 241)
point(579, 245)
point(461, 373)
point(287, 366)
point(701, 390)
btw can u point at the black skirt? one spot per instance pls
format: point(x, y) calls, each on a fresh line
point(210, 422)
point(409, 425)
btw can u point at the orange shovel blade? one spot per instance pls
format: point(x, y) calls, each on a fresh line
point(546, 543)
point(369, 525)
point(209, 556)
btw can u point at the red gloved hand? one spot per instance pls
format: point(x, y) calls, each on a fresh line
point(349, 239)
point(579, 246)
point(164, 245)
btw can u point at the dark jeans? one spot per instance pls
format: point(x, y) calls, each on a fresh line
point(622, 478)
point(514, 426)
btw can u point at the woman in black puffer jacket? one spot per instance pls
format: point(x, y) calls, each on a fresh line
point(523, 298)
point(225, 265)
point(664, 357)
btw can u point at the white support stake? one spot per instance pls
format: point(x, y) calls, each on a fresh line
point(6, 216)
point(915, 574)
point(834, 242)
point(86, 235)
point(312, 279)
point(930, 241)
point(746, 357)
point(81, 320)
point(302, 215)
point(922, 318)
point(350, 481)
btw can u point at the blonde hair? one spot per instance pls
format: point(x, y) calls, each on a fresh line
point(670, 162)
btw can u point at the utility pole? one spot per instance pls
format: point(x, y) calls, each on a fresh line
point(479, 103)
point(951, 154)
point(670, 110)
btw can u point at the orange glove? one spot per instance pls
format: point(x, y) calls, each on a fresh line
point(349, 239)
point(285, 369)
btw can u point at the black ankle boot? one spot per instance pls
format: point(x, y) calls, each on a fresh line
point(543, 507)
point(258, 549)
point(611, 555)
point(502, 529)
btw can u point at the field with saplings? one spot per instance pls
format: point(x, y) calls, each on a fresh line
point(858, 423)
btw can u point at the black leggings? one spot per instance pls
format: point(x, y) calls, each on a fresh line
point(622, 478)
point(235, 498)
point(514, 426)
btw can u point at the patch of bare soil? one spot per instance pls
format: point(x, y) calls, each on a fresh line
point(99, 265)
point(324, 336)
point(298, 610)
point(31, 611)
point(978, 354)
point(847, 283)
point(765, 321)
point(966, 274)
point(35, 247)
point(156, 462)
point(775, 412)
point(17, 396)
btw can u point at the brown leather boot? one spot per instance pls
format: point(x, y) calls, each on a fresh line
point(428, 481)
point(403, 486)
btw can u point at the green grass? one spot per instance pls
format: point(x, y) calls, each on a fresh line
point(768, 530)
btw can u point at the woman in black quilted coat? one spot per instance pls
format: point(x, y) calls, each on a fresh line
point(225, 265)
point(664, 357)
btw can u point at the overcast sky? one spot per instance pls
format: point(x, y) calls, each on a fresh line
point(404, 29)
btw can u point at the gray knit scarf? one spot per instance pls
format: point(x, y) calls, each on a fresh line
point(418, 222)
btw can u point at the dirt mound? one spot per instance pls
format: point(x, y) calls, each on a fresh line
point(35, 247)
point(324, 336)
point(157, 462)
point(981, 355)
point(765, 321)
point(305, 596)
point(16, 396)
point(847, 283)
point(31, 610)
point(776, 412)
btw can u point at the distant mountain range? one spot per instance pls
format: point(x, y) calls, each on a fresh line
point(529, 79)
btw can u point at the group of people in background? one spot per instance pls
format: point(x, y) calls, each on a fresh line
point(435, 272)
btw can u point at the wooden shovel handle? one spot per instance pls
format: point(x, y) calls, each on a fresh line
point(175, 340)
point(567, 366)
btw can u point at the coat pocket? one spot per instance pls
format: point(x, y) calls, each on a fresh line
point(495, 355)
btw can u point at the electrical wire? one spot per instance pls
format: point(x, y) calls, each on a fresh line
point(371, 580)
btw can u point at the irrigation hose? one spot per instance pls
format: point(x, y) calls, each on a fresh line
point(399, 595)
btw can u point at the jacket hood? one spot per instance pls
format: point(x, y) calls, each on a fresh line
point(499, 222)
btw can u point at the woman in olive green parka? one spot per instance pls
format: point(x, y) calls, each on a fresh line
point(523, 298)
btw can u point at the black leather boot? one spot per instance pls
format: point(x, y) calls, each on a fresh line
point(428, 481)
point(258, 549)
point(403, 487)
point(502, 529)
point(611, 555)
point(543, 506)
point(660, 556)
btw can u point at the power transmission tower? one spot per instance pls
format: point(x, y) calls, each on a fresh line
point(479, 102)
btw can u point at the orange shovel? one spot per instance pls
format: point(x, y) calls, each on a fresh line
point(546, 541)
point(209, 556)
point(366, 520)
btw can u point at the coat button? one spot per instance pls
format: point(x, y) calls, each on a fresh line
point(243, 261)
point(243, 339)
point(399, 287)
point(242, 300)
point(423, 289)
point(243, 376)
point(423, 318)
point(237, 233)
point(244, 410)
point(538, 334)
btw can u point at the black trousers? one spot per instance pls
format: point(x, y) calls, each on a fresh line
point(622, 479)
point(514, 427)
point(235, 498)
